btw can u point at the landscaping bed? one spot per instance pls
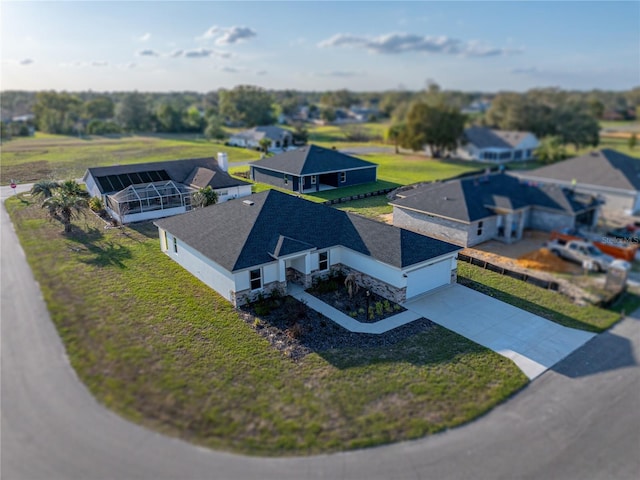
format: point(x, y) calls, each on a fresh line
point(362, 305)
point(296, 330)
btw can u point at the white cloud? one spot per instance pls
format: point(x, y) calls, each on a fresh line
point(26, 61)
point(145, 37)
point(147, 53)
point(261, 72)
point(199, 53)
point(176, 53)
point(525, 71)
point(99, 63)
point(338, 74)
point(229, 70)
point(396, 43)
point(228, 36)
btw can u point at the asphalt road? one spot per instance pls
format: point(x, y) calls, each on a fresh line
point(579, 420)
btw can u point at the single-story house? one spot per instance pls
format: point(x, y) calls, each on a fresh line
point(612, 175)
point(491, 207)
point(280, 138)
point(143, 191)
point(247, 247)
point(496, 146)
point(312, 169)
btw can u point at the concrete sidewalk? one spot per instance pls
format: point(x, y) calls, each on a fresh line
point(346, 321)
point(532, 342)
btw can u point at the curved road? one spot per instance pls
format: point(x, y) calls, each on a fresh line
point(579, 420)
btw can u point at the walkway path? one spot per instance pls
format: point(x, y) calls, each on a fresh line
point(346, 321)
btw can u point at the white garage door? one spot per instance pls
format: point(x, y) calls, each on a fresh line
point(424, 279)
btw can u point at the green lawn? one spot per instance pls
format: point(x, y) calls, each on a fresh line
point(31, 159)
point(546, 303)
point(619, 144)
point(157, 346)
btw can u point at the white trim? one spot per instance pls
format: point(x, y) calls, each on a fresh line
point(257, 164)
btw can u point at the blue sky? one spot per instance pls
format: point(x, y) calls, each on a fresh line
point(203, 46)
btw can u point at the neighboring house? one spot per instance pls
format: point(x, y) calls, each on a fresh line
point(313, 169)
point(247, 247)
point(280, 138)
point(144, 191)
point(496, 146)
point(613, 176)
point(477, 106)
point(492, 207)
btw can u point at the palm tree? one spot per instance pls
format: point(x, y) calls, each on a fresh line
point(44, 188)
point(204, 197)
point(66, 207)
point(395, 133)
point(265, 143)
point(73, 188)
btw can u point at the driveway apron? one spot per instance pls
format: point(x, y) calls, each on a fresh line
point(532, 342)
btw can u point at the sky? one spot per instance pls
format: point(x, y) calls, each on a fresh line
point(307, 45)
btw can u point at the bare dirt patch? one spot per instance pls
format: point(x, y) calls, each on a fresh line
point(543, 259)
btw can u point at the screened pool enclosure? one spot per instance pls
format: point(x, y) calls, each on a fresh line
point(148, 197)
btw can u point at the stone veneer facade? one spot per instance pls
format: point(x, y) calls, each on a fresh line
point(247, 296)
point(391, 293)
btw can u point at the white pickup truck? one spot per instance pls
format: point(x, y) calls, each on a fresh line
point(584, 253)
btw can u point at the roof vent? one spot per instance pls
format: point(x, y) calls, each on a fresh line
point(248, 202)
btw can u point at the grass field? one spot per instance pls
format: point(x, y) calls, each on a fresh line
point(157, 346)
point(31, 159)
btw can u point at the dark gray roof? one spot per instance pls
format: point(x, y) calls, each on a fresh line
point(237, 235)
point(606, 168)
point(476, 198)
point(312, 160)
point(188, 171)
point(483, 137)
point(269, 131)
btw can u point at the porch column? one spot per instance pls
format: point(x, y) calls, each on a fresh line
point(282, 271)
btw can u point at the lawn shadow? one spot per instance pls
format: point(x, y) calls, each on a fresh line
point(146, 229)
point(104, 253)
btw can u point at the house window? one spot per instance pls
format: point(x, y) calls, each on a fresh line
point(286, 179)
point(313, 179)
point(517, 155)
point(255, 277)
point(343, 177)
point(166, 241)
point(480, 224)
point(323, 260)
point(175, 245)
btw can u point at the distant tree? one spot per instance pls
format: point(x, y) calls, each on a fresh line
point(265, 143)
point(633, 140)
point(300, 133)
point(193, 121)
point(100, 108)
point(66, 207)
point(328, 114)
point(575, 125)
point(596, 107)
point(132, 112)
point(338, 99)
point(550, 150)
point(395, 133)
point(57, 112)
point(439, 127)
point(169, 118)
point(100, 127)
point(214, 128)
point(247, 105)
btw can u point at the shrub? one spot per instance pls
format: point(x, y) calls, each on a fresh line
point(372, 313)
point(95, 204)
point(295, 331)
point(387, 306)
point(379, 308)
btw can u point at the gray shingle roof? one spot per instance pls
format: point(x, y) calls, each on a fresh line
point(312, 160)
point(236, 235)
point(181, 171)
point(269, 131)
point(606, 168)
point(473, 199)
point(483, 137)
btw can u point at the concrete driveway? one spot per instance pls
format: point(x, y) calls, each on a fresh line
point(533, 343)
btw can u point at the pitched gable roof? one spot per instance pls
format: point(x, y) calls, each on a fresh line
point(312, 160)
point(269, 131)
point(476, 198)
point(237, 235)
point(483, 137)
point(185, 171)
point(607, 168)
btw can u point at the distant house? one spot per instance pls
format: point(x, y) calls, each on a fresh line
point(496, 146)
point(247, 247)
point(611, 175)
point(312, 169)
point(280, 138)
point(500, 206)
point(144, 191)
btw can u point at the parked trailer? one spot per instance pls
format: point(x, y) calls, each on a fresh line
point(611, 246)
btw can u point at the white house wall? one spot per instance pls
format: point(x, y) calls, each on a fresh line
point(225, 194)
point(431, 226)
point(92, 187)
point(372, 267)
point(207, 271)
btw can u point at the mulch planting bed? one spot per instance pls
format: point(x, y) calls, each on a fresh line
point(296, 330)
